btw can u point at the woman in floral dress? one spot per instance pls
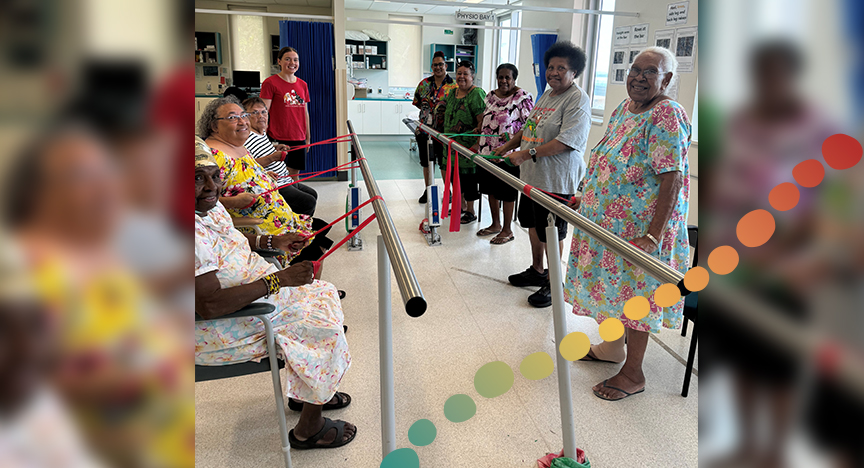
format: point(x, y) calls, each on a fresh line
point(637, 187)
point(507, 109)
point(307, 323)
point(224, 126)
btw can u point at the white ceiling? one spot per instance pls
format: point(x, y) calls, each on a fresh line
point(419, 9)
point(310, 3)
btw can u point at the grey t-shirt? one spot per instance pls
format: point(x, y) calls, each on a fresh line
point(566, 118)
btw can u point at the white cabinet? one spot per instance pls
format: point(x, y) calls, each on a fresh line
point(365, 116)
point(200, 104)
point(379, 117)
point(390, 121)
point(372, 117)
point(355, 115)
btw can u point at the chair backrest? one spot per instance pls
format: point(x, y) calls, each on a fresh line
point(693, 236)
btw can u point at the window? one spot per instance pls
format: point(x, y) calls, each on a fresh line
point(249, 49)
point(508, 39)
point(603, 50)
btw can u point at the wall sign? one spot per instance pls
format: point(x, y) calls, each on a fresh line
point(468, 16)
point(639, 34)
point(622, 35)
point(676, 13)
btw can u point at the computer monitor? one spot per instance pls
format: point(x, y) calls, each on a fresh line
point(247, 79)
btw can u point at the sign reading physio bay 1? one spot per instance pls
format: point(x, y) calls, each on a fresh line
point(468, 16)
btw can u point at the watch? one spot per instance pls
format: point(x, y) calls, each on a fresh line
point(533, 153)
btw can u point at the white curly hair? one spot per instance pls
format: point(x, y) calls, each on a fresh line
point(668, 62)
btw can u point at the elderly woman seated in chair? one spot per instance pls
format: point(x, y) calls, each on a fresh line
point(307, 323)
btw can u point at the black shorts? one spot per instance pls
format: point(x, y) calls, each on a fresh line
point(295, 159)
point(532, 215)
point(495, 187)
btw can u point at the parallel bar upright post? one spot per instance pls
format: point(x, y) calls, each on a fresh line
point(385, 350)
point(559, 317)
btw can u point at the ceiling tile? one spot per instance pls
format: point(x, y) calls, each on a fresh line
point(357, 4)
point(381, 6)
point(320, 3)
point(442, 10)
point(420, 9)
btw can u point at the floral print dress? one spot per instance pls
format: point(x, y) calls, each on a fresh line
point(506, 115)
point(307, 322)
point(244, 174)
point(620, 194)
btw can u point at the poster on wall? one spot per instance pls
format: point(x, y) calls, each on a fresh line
point(685, 48)
point(619, 57)
point(639, 35)
point(663, 38)
point(632, 53)
point(672, 89)
point(676, 13)
point(619, 74)
point(622, 35)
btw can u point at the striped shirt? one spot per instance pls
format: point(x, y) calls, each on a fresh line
point(259, 146)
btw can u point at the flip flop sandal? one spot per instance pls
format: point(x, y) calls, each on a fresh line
point(312, 442)
point(590, 358)
point(467, 218)
point(502, 240)
point(344, 400)
point(487, 232)
point(626, 394)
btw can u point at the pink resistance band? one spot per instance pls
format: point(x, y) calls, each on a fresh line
point(313, 174)
point(343, 217)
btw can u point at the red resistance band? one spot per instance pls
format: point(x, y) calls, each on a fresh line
point(314, 174)
point(456, 189)
point(344, 216)
point(338, 139)
point(316, 264)
point(528, 188)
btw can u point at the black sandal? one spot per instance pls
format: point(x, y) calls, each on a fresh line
point(467, 218)
point(312, 442)
point(344, 400)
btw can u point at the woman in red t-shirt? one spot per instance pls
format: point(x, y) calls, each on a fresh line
point(287, 99)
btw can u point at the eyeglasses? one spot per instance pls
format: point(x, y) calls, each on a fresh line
point(256, 113)
point(234, 118)
point(438, 65)
point(649, 74)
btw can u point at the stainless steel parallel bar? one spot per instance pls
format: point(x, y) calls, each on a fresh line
point(654, 267)
point(412, 296)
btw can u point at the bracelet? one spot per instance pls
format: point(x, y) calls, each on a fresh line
point(273, 284)
point(258, 243)
point(270, 242)
point(652, 239)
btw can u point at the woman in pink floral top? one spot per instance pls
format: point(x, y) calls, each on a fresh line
point(507, 110)
point(637, 187)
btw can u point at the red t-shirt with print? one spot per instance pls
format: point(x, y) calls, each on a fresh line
point(287, 109)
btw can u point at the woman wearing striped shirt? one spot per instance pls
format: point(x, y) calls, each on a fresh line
point(301, 198)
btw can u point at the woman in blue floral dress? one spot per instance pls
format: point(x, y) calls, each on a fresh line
point(637, 187)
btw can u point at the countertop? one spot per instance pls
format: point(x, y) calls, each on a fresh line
point(375, 97)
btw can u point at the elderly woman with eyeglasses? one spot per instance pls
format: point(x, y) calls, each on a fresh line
point(307, 323)
point(637, 187)
point(248, 191)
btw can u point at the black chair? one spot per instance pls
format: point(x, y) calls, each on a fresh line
point(691, 311)
point(204, 373)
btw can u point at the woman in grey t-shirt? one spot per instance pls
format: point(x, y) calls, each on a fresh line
point(552, 145)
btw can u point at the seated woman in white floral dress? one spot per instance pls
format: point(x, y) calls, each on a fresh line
point(307, 322)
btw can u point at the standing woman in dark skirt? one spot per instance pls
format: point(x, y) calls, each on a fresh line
point(507, 110)
point(427, 97)
point(287, 99)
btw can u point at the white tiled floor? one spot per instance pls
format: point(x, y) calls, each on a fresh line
point(474, 317)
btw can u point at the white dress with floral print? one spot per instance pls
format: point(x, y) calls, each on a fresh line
point(307, 321)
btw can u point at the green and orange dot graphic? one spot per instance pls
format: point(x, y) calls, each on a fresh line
point(754, 229)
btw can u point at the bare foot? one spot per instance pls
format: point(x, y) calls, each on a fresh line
point(302, 432)
point(628, 383)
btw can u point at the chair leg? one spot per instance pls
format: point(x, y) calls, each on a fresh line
point(690, 357)
point(277, 388)
point(684, 327)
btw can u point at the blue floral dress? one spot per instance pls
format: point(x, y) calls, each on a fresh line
point(620, 194)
